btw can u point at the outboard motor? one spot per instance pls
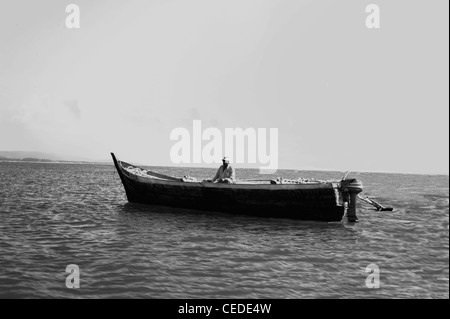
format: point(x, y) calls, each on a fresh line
point(350, 189)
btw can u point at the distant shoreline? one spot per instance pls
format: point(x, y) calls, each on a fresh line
point(47, 161)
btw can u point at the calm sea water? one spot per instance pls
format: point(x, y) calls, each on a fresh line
point(53, 215)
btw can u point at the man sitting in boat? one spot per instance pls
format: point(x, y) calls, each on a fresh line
point(225, 173)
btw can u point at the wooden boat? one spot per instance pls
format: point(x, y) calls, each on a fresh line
point(317, 200)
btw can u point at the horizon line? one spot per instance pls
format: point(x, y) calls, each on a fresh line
point(107, 162)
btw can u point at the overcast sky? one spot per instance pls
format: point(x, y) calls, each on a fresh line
point(343, 97)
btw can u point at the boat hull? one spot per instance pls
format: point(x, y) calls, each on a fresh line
point(320, 202)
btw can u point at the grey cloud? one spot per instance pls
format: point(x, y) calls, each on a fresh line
point(72, 105)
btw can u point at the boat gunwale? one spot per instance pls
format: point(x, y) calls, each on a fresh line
point(178, 182)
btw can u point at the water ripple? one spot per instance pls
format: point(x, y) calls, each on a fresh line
point(54, 215)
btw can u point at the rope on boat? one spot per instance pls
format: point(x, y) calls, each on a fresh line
point(343, 178)
point(299, 180)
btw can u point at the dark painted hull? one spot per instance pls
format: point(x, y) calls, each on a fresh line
point(320, 202)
